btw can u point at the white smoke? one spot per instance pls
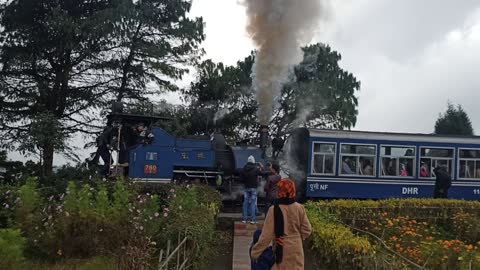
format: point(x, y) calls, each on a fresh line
point(279, 28)
point(289, 163)
point(220, 114)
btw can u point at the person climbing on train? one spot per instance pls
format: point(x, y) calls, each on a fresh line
point(442, 183)
point(287, 226)
point(103, 144)
point(271, 187)
point(249, 177)
point(266, 259)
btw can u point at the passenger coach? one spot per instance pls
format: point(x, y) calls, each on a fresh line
point(374, 165)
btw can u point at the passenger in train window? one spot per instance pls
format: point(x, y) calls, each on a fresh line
point(328, 165)
point(424, 170)
point(367, 167)
point(403, 170)
point(409, 167)
point(477, 173)
point(346, 169)
point(391, 167)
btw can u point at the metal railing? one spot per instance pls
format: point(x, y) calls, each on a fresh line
point(175, 257)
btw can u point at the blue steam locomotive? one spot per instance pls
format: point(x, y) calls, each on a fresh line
point(325, 163)
point(147, 153)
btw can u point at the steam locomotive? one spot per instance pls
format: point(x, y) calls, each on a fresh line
point(164, 158)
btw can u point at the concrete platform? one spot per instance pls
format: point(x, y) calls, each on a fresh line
point(243, 237)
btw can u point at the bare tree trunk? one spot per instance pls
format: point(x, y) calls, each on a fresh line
point(47, 166)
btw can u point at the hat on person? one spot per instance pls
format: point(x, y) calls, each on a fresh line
point(286, 189)
point(251, 159)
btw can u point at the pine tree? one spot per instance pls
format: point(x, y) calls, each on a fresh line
point(454, 121)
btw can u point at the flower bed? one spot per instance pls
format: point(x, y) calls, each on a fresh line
point(435, 234)
point(120, 221)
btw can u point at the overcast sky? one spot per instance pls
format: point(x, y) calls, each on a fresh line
point(410, 56)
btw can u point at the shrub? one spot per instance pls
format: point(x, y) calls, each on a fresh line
point(335, 244)
point(8, 195)
point(117, 221)
point(195, 217)
point(29, 204)
point(12, 245)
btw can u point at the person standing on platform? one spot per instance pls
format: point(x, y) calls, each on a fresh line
point(287, 226)
point(442, 183)
point(249, 176)
point(271, 187)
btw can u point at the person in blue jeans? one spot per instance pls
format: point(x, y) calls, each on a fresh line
point(249, 176)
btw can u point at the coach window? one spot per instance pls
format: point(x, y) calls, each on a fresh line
point(397, 161)
point(323, 158)
point(430, 158)
point(469, 164)
point(358, 159)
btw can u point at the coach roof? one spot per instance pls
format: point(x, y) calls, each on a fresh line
point(390, 136)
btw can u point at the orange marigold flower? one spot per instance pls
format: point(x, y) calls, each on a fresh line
point(393, 238)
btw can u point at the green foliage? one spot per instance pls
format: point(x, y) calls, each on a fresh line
point(121, 197)
point(12, 245)
point(44, 135)
point(454, 121)
point(335, 244)
point(28, 206)
point(96, 263)
point(187, 214)
point(117, 221)
point(102, 206)
point(148, 51)
point(85, 202)
point(8, 195)
point(47, 70)
point(71, 199)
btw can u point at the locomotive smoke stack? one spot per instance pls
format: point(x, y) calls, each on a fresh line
point(263, 137)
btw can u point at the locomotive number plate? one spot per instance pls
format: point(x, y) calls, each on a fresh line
point(150, 169)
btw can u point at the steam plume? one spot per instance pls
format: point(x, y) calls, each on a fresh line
point(278, 28)
point(220, 114)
